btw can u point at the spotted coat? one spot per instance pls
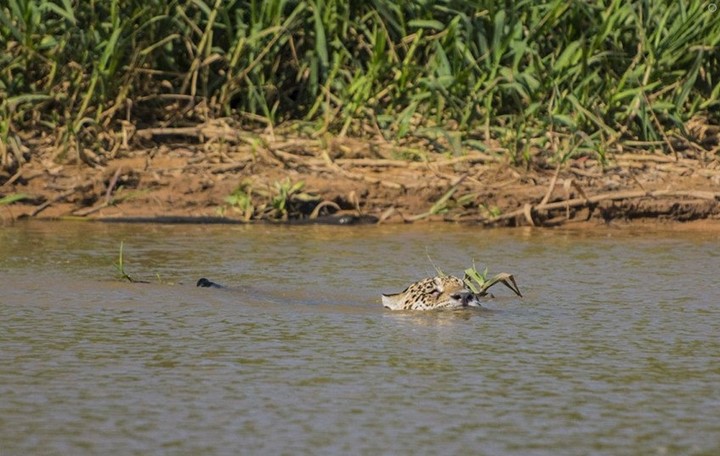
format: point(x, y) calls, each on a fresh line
point(441, 292)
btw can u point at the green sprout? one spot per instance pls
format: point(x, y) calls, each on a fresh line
point(120, 266)
point(13, 198)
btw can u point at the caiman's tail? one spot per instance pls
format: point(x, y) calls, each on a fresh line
point(205, 283)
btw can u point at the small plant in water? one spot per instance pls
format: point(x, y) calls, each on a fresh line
point(120, 266)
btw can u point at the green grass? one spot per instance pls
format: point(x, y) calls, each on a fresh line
point(280, 201)
point(120, 265)
point(13, 198)
point(555, 78)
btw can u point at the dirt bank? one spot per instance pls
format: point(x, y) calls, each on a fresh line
point(191, 172)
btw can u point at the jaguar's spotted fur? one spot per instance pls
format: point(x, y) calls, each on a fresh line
point(442, 292)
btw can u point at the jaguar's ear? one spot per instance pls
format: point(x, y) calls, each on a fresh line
point(439, 284)
point(391, 301)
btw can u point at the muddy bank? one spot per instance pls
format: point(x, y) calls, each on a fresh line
point(170, 176)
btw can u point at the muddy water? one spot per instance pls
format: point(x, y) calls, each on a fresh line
point(614, 350)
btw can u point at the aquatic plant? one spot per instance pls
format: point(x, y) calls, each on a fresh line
point(120, 265)
point(123, 275)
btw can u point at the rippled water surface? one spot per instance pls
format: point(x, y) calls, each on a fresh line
point(615, 348)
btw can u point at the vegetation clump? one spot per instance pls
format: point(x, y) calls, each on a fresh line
point(279, 201)
point(565, 78)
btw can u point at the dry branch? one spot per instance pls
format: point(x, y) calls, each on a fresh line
point(60, 197)
point(551, 187)
point(475, 157)
point(528, 209)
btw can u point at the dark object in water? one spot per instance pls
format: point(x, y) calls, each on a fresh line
point(205, 283)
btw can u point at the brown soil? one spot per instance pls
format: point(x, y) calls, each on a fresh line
point(190, 172)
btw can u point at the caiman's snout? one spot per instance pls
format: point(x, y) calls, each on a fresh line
point(205, 283)
point(467, 299)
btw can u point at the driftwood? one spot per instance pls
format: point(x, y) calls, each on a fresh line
point(529, 209)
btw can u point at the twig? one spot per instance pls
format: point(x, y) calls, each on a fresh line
point(579, 189)
point(440, 203)
point(551, 187)
point(350, 175)
point(91, 210)
point(644, 157)
point(373, 162)
point(149, 133)
point(581, 172)
point(200, 132)
point(60, 197)
point(111, 185)
point(527, 212)
point(476, 157)
point(14, 177)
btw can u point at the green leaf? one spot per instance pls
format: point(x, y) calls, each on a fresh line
point(569, 57)
point(320, 39)
point(564, 119)
point(426, 23)
point(66, 13)
point(13, 198)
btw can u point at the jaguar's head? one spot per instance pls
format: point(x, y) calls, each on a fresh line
point(441, 292)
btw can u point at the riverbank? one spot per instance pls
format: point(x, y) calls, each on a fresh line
point(377, 112)
point(214, 171)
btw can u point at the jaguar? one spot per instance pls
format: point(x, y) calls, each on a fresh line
point(440, 292)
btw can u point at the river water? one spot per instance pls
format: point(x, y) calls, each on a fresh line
point(615, 348)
